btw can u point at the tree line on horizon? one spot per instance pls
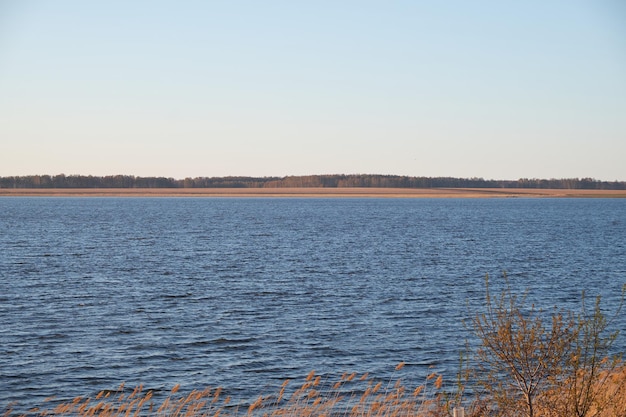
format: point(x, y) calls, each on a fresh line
point(324, 181)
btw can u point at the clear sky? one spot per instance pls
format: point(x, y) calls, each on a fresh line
point(492, 89)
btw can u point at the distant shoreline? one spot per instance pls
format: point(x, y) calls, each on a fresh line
point(314, 192)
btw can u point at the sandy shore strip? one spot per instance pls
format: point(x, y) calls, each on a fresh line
point(314, 192)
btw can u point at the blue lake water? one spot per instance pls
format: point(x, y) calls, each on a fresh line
point(246, 292)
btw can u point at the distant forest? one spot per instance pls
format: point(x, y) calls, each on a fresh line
point(332, 181)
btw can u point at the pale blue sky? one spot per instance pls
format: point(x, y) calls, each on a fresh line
point(493, 89)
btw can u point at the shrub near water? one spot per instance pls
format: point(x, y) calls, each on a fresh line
point(531, 363)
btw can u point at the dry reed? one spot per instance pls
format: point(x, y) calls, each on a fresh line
point(349, 396)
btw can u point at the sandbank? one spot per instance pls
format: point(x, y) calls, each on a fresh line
point(315, 192)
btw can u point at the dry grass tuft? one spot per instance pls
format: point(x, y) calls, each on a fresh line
point(350, 396)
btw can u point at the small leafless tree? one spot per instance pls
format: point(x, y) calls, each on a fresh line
point(532, 363)
point(588, 387)
point(519, 353)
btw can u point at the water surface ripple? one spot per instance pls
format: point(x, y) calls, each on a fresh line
point(243, 293)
